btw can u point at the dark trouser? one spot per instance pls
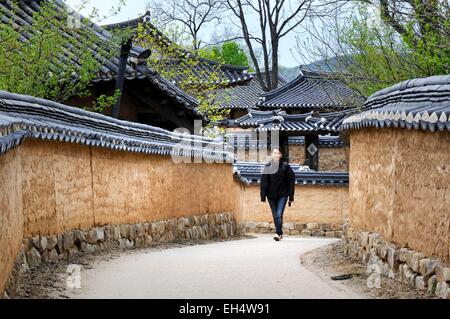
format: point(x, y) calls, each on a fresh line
point(278, 207)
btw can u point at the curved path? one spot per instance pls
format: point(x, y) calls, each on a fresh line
point(250, 268)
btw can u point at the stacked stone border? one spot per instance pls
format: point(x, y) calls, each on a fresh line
point(41, 250)
point(399, 263)
point(295, 229)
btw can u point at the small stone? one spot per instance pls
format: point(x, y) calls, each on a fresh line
point(405, 254)
point(300, 227)
point(409, 275)
point(125, 230)
point(53, 255)
point(312, 226)
point(382, 251)
point(413, 262)
point(68, 240)
point(294, 232)
point(250, 226)
point(363, 239)
point(27, 245)
point(263, 225)
point(306, 232)
point(318, 233)
point(374, 240)
point(139, 242)
point(72, 252)
point(116, 233)
point(126, 244)
point(330, 234)
point(427, 266)
point(79, 237)
point(288, 226)
point(264, 230)
point(52, 241)
point(182, 224)
point(89, 248)
point(148, 240)
point(338, 234)
point(442, 273)
point(392, 258)
point(325, 227)
point(432, 282)
point(34, 258)
point(272, 226)
point(43, 243)
point(420, 283)
point(443, 290)
point(136, 231)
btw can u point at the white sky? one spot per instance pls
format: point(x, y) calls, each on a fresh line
point(135, 8)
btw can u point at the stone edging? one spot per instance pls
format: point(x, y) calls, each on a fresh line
point(398, 263)
point(50, 249)
point(295, 229)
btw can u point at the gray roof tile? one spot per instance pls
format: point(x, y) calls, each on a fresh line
point(251, 173)
point(280, 120)
point(228, 74)
point(109, 64)
point(244, 96)
point(311, 90)
point(421, 104)
point(24, 117)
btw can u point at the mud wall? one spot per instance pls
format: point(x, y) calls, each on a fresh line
point(313, 204)
point(11, 217)
point(49, 188)
point(400, 188)
point(332, 159)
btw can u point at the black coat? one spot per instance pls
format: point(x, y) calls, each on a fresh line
point(278, 185)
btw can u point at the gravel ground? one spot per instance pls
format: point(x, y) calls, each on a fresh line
point(328, 262)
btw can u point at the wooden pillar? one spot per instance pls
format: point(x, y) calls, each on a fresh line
point(284, 145)
point(312, 151)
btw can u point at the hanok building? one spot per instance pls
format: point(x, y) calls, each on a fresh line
point(309, 109)
point(146, 96)
point(239, 99)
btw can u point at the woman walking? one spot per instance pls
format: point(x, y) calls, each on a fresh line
point(278, 187)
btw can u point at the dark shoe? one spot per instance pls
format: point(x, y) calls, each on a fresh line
point(276, 238)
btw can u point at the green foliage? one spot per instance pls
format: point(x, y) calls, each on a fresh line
point(379, 56)
point(54, 61)
point(184, 68)
point(228, 53)
point(104, 101)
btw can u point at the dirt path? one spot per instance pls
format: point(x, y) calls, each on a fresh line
point(250, 268)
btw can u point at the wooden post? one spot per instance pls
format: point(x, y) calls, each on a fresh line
point(312, 151)
point(120, 80)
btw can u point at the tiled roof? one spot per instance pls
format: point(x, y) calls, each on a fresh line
point(25, 117)
point(279, 120)
point(244, 96)
point(311, 90)
point(324, 141)
point(251, 173)
point(245, 140)
point(23, 17)
point(421, 104)
point(228, 74)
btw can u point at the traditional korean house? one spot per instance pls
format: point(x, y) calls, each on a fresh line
point(312, 106)
point(239, 99)
point(146, 96)
point(222, 75)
